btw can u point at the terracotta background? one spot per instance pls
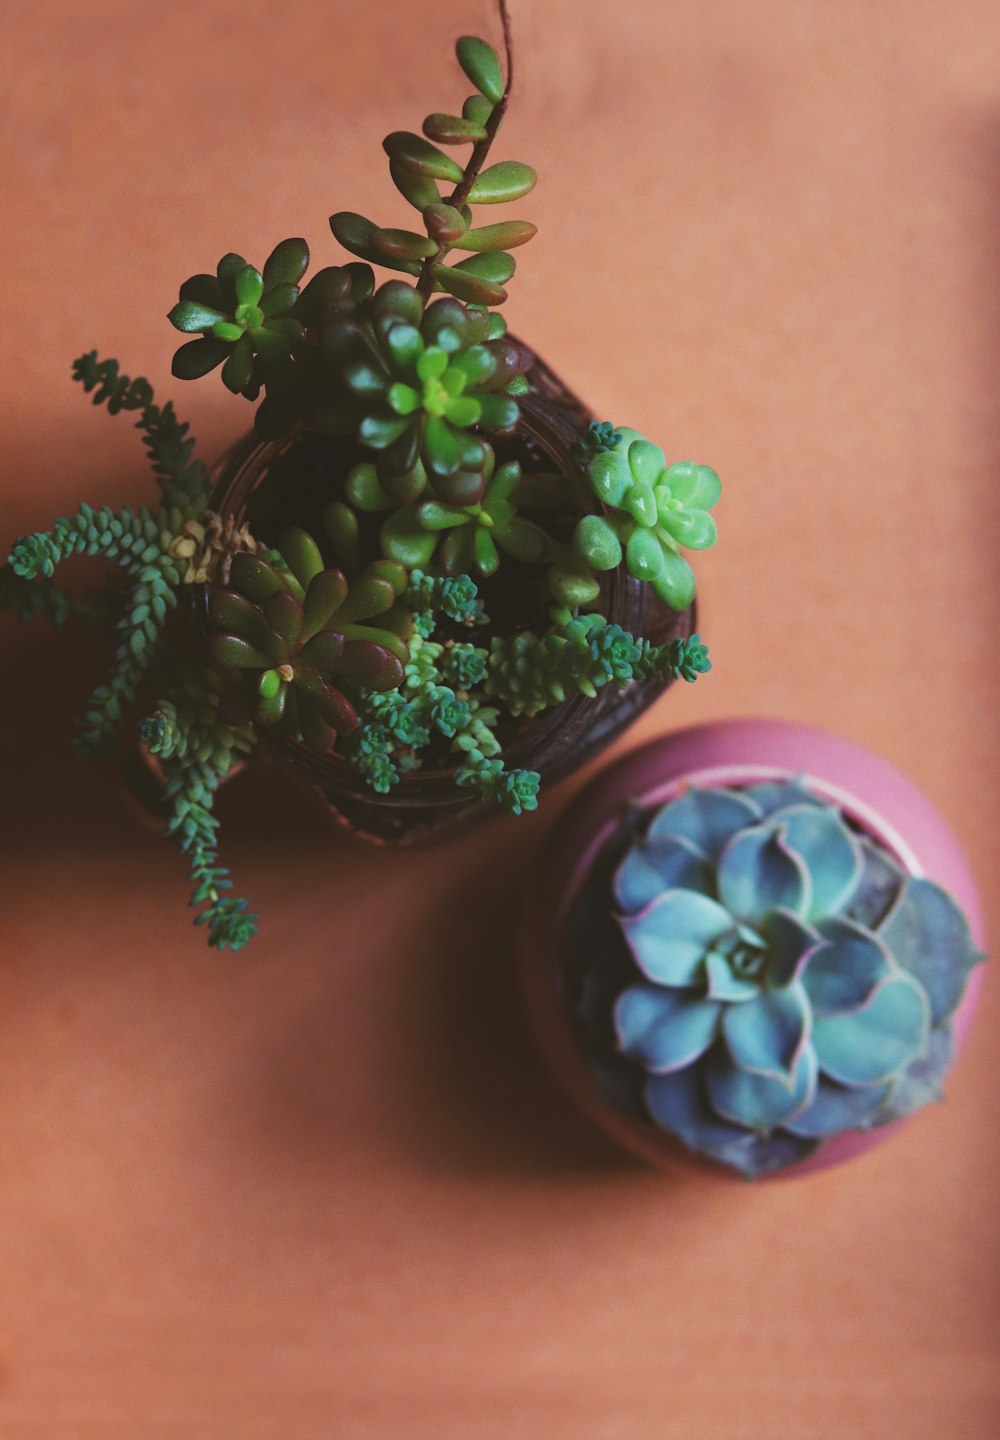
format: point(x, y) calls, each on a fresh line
point(323, 1189)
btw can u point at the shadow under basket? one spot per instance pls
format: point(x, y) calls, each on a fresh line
point(427, 807)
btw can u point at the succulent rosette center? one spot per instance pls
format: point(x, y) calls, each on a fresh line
point(789, 979)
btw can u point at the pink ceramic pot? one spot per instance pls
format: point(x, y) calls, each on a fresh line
point(735, 752)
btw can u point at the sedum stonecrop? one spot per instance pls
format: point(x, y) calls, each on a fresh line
point(779, 978)
point(372, 640)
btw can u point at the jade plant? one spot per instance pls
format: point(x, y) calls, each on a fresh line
point(777, 977)
point(380, 627)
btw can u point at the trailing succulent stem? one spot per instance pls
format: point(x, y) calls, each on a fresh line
point(529, 673)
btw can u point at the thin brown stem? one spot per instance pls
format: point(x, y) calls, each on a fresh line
point(458, 197)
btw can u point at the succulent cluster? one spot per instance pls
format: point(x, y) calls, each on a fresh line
point(778, 979)
point(372, 640)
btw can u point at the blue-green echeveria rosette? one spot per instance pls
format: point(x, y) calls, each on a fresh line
point(788, 980)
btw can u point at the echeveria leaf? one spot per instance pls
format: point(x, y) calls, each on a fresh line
point(871, 1044)
point(843, 972)
point(829, 851)
point(922, 1081)
point(766, 1035)
point(760, 1102)
point(929, 936)
point(839, 1107)
point(706, 818)
point(650, 868)
point(662, 1028)
point(758, 873)
point(669, 938)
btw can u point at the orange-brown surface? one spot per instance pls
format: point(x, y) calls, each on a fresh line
point(323, 1191)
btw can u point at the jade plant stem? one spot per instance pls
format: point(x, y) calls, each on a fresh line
point(458, 197)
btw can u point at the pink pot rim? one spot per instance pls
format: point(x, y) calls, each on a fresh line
point(721, 753)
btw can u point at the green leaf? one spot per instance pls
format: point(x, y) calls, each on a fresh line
point(676, 585)
point(417, 189)
point(402, 539)
point(507, 180)
point(644, 555)
point(463, 410)
point(477, 109)
point(470, 288)
point(284, 615)
point(482, 66)
point(278, 299)
point(237, 654)
point(506, 235)
point(286, 264)
point(301, 553)
point(227, 270)
point(379, 431)
point(197, 358)
point(254, 578)
point(524, 540)
point(189, 316)
point(341, 524)
point(596, 543)
point(441, 445)
point(249, 285)
point(499, 412)
point(415, 153)
point(496, 266)
point(364, 491)
point(484, 549)
point(453, 130)
point(324, 599)
point(226, 330)
point(402, 244)
point(433, 515)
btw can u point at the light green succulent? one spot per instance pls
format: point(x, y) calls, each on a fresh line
point(653, 511)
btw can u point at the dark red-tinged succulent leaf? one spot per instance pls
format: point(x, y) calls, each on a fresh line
point(302, 554)
point(232, 613)
point(392, 571)
point(456, 554)
point(376, 635)
point(253, 577)
point(445, 223)
point(324, 652)
point(324, 597)
point(402, 244)
point(415, 153)
point(453, 129)
point(238, 654)
point(505, 236)
point(317, 734)
point(369, 595)
point(370, 665)
point(284, 615)
point(333, 706)
point(464, 487)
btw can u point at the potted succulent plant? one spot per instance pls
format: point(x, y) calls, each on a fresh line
point(429, 579)
point(751, 944)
